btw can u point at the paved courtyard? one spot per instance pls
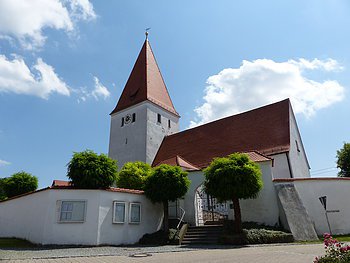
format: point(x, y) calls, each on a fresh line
point(267, 253)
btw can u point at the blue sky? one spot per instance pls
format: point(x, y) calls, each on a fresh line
point(63, 65)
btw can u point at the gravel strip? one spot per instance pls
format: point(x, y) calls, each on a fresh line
point(46, 253)
point(60, 252)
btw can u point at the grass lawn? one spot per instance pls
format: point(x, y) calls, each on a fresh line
point(15, 243)
point(341, 238)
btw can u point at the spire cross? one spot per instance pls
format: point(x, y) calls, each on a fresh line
point(146, 33)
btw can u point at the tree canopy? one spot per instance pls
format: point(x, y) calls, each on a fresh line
point(2, 190)
point(19, 183)
point(343, 160)
point(232, 178)
point(166, 183)
point(91, 171)
point(133, 175)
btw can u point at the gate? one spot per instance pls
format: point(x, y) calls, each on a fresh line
point(208, 209)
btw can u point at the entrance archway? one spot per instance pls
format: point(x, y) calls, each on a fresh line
point(208, 209)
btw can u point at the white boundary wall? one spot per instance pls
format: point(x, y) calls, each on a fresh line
point(337, 191)
point(35, 217)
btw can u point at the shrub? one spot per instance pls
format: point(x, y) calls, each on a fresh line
point(160, 238)
point(133, 175)
point(89, 170)
point(336, 252)
point(19, 183)
point(256, 236)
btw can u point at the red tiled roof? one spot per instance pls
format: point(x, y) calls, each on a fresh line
point(258, 157)
point(265, 130)
point(60, 183)
point(179, 161)
point(145, 83)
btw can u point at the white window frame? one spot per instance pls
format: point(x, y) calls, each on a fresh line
point(59, 210)
point(130, 206)
point(114, 221)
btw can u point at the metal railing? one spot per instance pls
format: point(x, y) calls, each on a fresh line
point(182, 217)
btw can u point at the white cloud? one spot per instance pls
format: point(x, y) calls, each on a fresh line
point(3, 163)
point(26, 20)
point(41, 81)
point(100, 90)
point(263, 81)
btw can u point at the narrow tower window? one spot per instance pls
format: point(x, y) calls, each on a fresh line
point(296, 142)
point(133, 117)
point(122, 122)
point(159, 118)
point(169, 124)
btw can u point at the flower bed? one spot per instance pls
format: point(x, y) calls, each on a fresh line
point(336, 252)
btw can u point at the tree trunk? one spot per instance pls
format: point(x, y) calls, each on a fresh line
point(238, 220)
point(166, 217)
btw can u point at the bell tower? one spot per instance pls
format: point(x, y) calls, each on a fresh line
point(144, 113)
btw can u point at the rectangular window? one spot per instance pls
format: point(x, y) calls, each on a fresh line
point(133, 117)
point(135, 213)
point(72, 211)
point(159, 118)
point(118, 212)
point(169, 124)
point(122, 122)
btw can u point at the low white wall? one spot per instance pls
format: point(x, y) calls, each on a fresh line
point(337, 191)
point(35, 217)
point(151, 219)
point(24, 217)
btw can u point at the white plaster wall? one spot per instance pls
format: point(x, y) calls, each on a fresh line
point(298, 159)
point(128, 143)
point(338, 196)
point(139, 141)
point(280, 167)
point(156, 131)
point(35, 217)
point(197, 179)
point(263, 209)
point(71, 233)
point(25, 217)
point(109, 233)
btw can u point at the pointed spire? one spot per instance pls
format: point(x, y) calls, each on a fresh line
point(145, 83)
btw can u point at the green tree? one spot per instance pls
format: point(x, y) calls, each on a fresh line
point(133, 175)
point(232, 178)
point(343, 162)
point(19, 183)
point(166, 183)
point(91, 171)
point(2, 190)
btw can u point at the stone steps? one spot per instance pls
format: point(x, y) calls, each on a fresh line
point(202, 235)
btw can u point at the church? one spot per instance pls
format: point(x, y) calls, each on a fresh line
point(145, 127)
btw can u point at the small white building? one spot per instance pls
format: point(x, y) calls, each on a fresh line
point(63, 215)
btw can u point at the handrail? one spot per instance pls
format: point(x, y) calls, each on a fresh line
point(182, 217)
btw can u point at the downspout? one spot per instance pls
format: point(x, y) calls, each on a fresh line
point(289, 167)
